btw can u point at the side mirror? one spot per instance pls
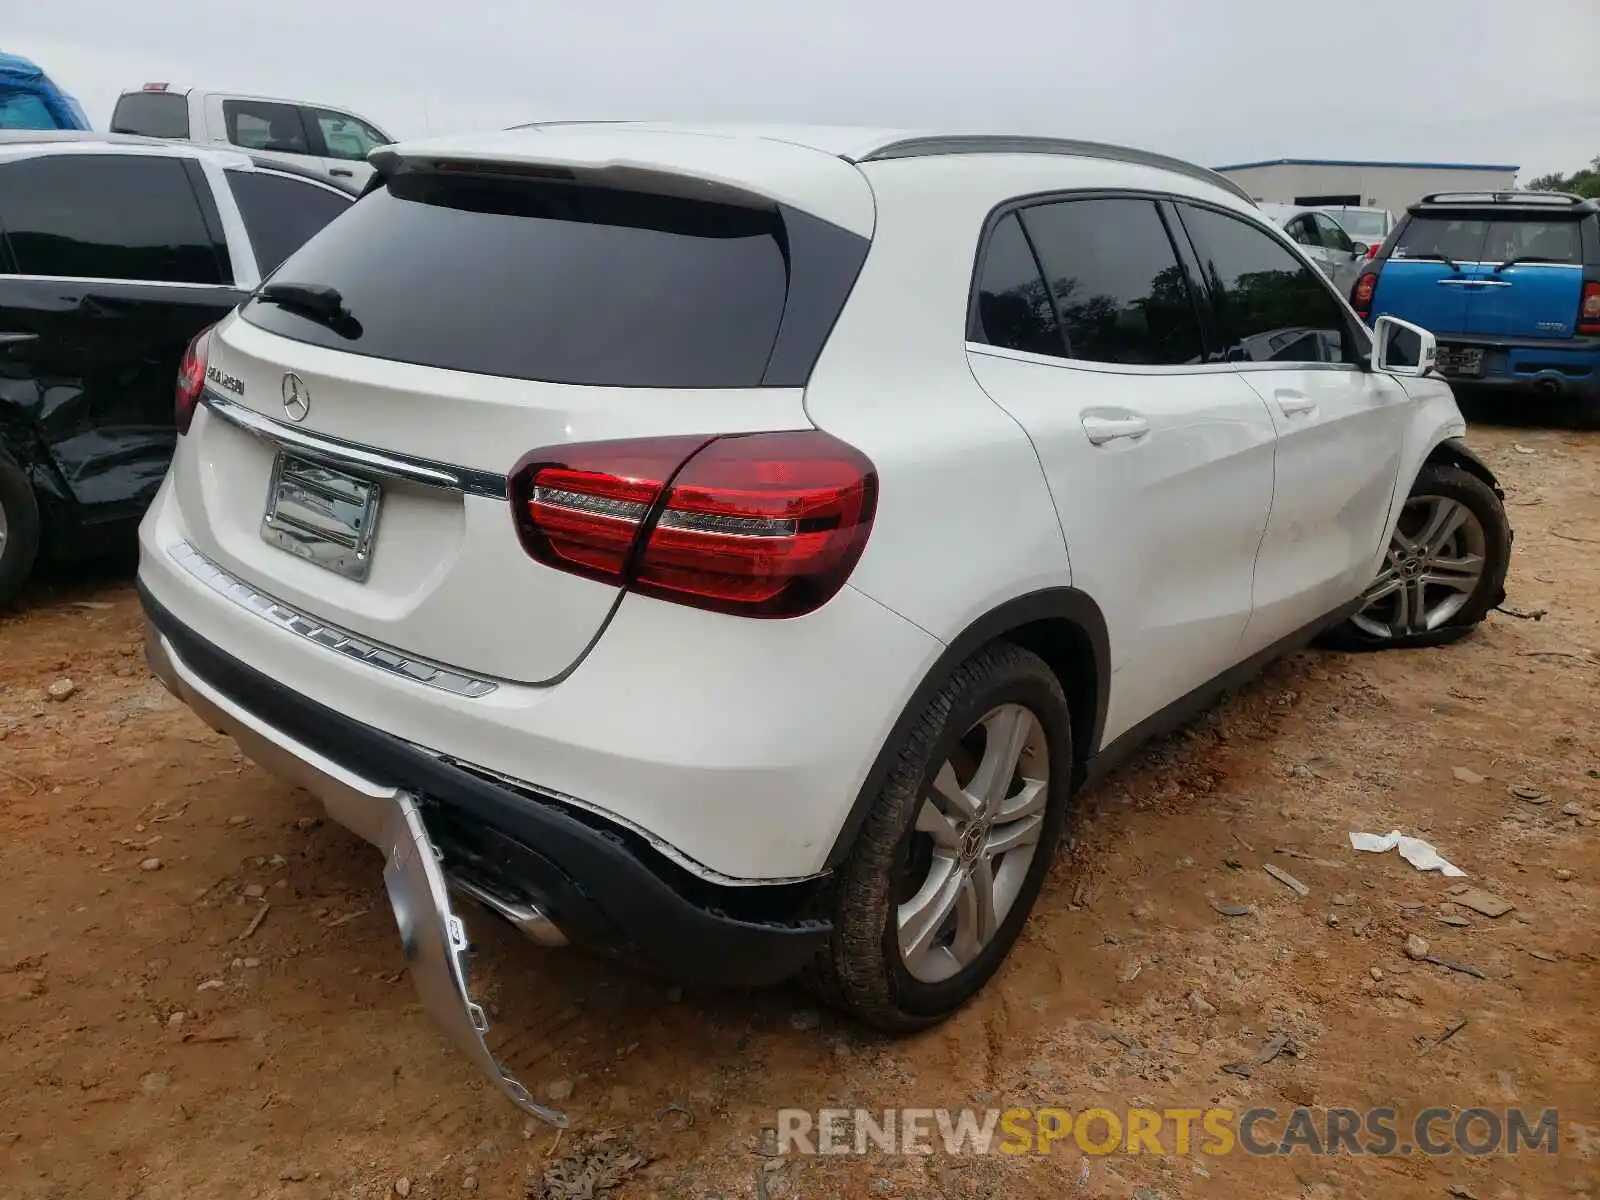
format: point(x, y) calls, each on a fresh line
point(1402, 348)
point(1360, 250)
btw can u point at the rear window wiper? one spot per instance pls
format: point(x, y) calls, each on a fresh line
point(1527, 258)
point(316, 302)
point(1437, 256)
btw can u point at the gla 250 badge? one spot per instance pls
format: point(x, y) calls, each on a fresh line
point(223, 379)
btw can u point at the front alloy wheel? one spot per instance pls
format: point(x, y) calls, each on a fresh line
point(1433, 566)
point(1444, 569)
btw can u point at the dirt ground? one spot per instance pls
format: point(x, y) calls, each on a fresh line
point(149, 1047)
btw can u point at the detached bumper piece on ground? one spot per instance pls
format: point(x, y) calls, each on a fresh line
point(596, 887)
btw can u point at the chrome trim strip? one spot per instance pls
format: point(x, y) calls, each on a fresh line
point(336, 452)
point(1099, 368)
point(329, 637)
point(108, 281)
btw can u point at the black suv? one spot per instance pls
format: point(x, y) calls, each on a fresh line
point(115, 252)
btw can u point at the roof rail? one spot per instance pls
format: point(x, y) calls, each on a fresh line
point(1522, 197)
point(918, 147)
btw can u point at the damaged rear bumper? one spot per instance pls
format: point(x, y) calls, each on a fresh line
point(554, 872)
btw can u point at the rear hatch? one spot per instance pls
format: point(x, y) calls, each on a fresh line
point(1428, 276)
point(1531, 278)
point(485, 310)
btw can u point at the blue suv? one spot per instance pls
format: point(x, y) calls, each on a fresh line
point(1509, 284)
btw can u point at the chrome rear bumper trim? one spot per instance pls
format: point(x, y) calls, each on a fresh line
point(329, 637)
point(336, 452)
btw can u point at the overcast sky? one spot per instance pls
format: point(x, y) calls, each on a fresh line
point(1216, 81)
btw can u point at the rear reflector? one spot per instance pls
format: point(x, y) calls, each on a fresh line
point(762, 524)
point(191, 380)
point(1589, 309)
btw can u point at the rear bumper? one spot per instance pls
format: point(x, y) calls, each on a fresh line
point(1558, 368)
point(556, 872)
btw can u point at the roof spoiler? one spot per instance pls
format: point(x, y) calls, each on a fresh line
point(1561, 199)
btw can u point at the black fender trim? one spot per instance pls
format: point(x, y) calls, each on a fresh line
point(1064, 606)
point(1455, 450)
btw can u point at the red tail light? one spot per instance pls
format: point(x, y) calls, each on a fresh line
point(1589, 309)
point(1372, 249)
point(1361, 294)
point(761, 524)
point(191, 379)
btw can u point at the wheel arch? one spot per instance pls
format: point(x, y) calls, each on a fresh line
point(1065, 628)
point(1454, 451)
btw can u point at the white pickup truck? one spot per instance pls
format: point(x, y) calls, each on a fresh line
point(330, 141)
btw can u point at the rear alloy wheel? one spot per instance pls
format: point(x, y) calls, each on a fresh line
point(977, 830)
point(1445, 567)
point(955, 847)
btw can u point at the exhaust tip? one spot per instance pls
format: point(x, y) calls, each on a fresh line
point(1549, 384)
point(530, 920)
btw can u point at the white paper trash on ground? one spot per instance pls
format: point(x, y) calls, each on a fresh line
point(1415, 851)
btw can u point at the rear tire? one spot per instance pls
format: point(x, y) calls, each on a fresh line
point(19, 528)
point(955, 847)
point(1445, 567)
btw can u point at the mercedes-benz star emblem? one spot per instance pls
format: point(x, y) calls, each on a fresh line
point(296, 398)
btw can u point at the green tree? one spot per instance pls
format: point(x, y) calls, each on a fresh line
point(1585, 182)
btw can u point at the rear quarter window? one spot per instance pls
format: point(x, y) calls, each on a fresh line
point(152, 114)
point(566, 283)
point(280, 213)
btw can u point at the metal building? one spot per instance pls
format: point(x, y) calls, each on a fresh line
point(1365, 184)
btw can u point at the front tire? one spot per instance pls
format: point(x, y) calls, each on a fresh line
point(955, 847)
point(19, 528)
point(1445, 567)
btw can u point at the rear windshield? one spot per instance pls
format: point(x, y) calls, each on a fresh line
point(570, 284)
point(153, 114)
point(1483, 239)
point(1367, 226)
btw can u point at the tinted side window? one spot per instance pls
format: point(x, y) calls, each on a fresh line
point(1014, 307)
point(258, 125)
point(1122, 295)
point(1272, 307)
point(1331, 234)
point(280, 214)
point(343, 136)
point(153, 114)
point(106, 216)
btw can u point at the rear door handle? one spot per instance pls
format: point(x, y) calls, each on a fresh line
point(1295, 404)
point(341, 172)
point(1103, 429)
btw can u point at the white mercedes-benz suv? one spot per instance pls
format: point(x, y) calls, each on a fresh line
point(730, 549)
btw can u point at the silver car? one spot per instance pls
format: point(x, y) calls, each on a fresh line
point(1369, 226)
point(1323, 239)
